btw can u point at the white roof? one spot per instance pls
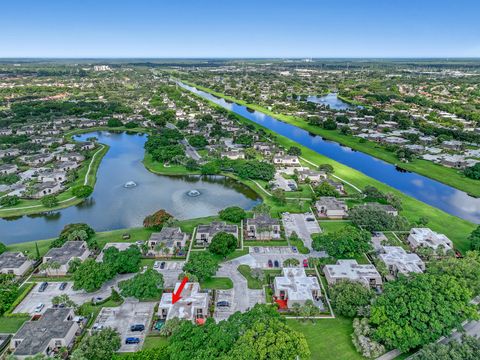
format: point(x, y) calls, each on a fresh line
point(297, 284)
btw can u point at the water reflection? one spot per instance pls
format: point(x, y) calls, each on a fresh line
point(111, 206)
point(432, 192)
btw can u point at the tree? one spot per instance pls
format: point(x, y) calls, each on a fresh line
point(201, 264)
point(210, 168)
point(278, 196)
point(233, 214)
point(291, 262)
point(348, 242)
point(466, 349)
point(261, 208)
point(131, 125)
point(191, 165)
point(99, 346)
point(416, 310)
point(8, 200)
point(474, 239)
point(114, 123)
point(78, 235)
point(473, 172)
point(64, 299)
point(329, 124)
point(166, 153)
point(122, 262)
point(82, 191)
point(146, 285)
point(171, 326)
point(157, 220)
point(159, 352)
point(90, 275)
point(223, 244)
point(49, 201)
point(327, 168)
point(254, 169)
point(198, 141)
point(8, 291)
point(3, 248)
point(272, 339)
point(295, 151)
point(350, 298)
point(373, 218)
point(325, 189)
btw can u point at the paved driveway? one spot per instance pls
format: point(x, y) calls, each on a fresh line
point(131, 312)
point(170, 272)
point(304, 228)
point(259, 257)
point(78, 296)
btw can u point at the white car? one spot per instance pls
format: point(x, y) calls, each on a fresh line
point(39, 307)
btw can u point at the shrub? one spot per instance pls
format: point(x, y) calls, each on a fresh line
point(233, 214)
point(157, 220)
point(82, 191)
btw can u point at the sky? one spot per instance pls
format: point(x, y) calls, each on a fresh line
point(246, 28)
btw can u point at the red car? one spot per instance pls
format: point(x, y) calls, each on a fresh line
point(305, 263)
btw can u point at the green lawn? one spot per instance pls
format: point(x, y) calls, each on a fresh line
point(154, 341)
point(217, 283)
point(328, 339)
point(440, 173)
point(265, 243)
point(455, 228)
point(253, 283)
point(11, 324)
point(332, 226)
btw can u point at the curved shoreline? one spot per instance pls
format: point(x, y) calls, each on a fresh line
point(442, 174)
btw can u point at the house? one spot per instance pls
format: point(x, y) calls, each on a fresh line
point(367, 275)
point(193, 304)
point(286, 160)
point(71, 157)
point(39, 159)
point(8, 169)
point(425, 237)
point(452, 144)
point(9, 153)
point(313, 176)
point(14, 263)
point(53, 176)
point(87, 146)
point(233, 155)
point(67, 165)
point(264, 148)
point(120, 246)
point(263, 227)
point(389, 209)
point(64, 255)
point(336, 185)
point(54, 330)
point(205, 233)
point(170, 239)
point(295, 286)
point(46, 188)
point(331, 207)
point(398, 261)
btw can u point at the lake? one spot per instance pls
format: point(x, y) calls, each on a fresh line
point(331, 100)
point(112, 206)
point(432, 192)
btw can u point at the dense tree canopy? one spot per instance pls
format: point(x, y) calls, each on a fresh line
point(201, 264)
point(82, 191)
point(374, 218)
point(349, 298)
point(8, 291)
point(146, 285)
point(348, 242)
point(466, 349)
point(233, 214)
point(101, 345)
point(157, 220)
point(416, 310)
point(223, 244)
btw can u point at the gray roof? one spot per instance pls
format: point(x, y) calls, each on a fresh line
point(384, 207)
point(216, 227)
point(68, 251)
point(12, 260)
point(37, 334)
point(168, 235)
point(262, 220)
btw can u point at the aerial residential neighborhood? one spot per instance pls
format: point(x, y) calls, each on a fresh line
point(265, 181)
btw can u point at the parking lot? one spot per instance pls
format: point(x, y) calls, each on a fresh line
point(171, 271)
point(34, 298)
point(271, 256)
point(222, 313)
point(304, 225)
point(131, 312)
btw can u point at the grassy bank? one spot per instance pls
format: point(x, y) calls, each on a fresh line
point(451, 177)
point(455, 228)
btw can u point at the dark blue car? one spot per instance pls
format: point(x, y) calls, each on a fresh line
point(132, 340)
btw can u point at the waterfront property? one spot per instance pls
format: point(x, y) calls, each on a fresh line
point(58, 259)
point(168, 242)
point(263, 227)
point(205, 233)
point(14, 263)
point(425, 237)
point(331, 207)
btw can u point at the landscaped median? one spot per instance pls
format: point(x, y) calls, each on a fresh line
point(455, 228)
point(448, 176)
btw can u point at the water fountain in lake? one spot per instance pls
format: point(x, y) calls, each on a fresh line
point(193, 193)
point(130, 184)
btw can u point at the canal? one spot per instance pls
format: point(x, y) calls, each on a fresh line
point(114, 206)
point(432, 192)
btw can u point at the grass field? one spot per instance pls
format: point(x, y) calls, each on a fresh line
point(328, 339)
point(154, 341)
point(426, 168)
point(455, 228)
point(252, 283)
point(10, 325)
point(217, 283)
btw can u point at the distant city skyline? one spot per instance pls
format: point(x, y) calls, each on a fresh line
point(249, 29)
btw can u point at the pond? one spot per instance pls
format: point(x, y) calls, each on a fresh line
point(432, 192)
point(331, 100)
point(115, 206)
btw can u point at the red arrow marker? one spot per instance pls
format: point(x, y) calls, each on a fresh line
point(176, 295)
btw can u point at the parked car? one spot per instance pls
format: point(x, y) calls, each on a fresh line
point(97, 327)
point(97, 299)
point(137, 327)
point(63, 285)
point(156, 265)
point(39, 307)
point(223, 303)
point(43, 286)
point(270, 263)
point(256, 249)
point(126, 236)
point(276, 264)
point(162, 265)
point(310, 219)
point(294, 249)
point(305, 263)
point(132, 340)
